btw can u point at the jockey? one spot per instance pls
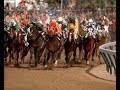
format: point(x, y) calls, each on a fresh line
point(55, 31)
point(40, 25)
point(24, 28)
point(105, 22)
point(100, 29)
point(64, 28)
point(71, 27)
point(90, 28)
point(74, 21)
point(60, 19)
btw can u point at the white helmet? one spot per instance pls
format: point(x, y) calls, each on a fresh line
point(90, 20)
point(40, 21)
point(60, 19)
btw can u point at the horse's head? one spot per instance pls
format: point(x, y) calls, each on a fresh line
point(12, 32)
point(71, 35)
point(35, 32)
point(20, 36)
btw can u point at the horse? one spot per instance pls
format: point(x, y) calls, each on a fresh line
point(5, 45)
point(89, 44)
point(70, 48)
point(11, 38)
point(36, 41)
point(79, 45)
point(101, 39)
point(18, 47)
point(53, 46)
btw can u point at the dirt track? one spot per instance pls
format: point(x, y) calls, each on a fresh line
point(73, 78)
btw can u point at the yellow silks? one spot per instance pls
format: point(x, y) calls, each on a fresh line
point(76, 26)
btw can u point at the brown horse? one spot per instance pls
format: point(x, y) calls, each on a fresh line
point(89, 45)
point(70, 48)
point(52, 49)
point(36, 43)
point(54, 45)
point(11, 37)
point(100, 40)
point(18, 47)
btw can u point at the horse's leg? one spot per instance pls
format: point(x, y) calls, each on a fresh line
point(66, 57)
point(74, 54)
point(52, 60)
point(10, 54)
point(36, 55)
point(85, 56)
point(21, 56)
point(39, 55)
point(80, 53)
point(5, 56)
point(70, 58)
point(59, 52)
point(56, 58)
point(17, 58)
point(31, 55)
point(46, 58)
point(91, 54)
point(93, 51)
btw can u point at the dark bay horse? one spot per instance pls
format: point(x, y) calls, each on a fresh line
point(18, 47)
point(11, 37)
point(5, 46)
point(36, 41)
point(70, 48)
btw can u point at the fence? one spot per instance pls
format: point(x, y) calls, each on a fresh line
point(108, 52)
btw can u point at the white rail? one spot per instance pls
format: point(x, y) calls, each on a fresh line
point(108, 52)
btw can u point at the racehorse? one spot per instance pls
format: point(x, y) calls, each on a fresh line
point(18, 47)
point(79, 45)
point(36, 43)
point(100, 40)
point(70, 47)
point(5, 45)
point(11, 38)
point(89, 44)
point(53, 46)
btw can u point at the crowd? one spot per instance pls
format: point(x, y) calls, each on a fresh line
point(24, 18)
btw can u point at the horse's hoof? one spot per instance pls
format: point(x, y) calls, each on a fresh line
point(50, 68)
point(18, 66)
point(15, 65)
point(45, 68)
point(67, 66)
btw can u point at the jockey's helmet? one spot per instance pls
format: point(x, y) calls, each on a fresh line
point(53, 20)
point(40, 21)
point(90, 21)
point(60, 19)
point(72, 18)
point(64, 22)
